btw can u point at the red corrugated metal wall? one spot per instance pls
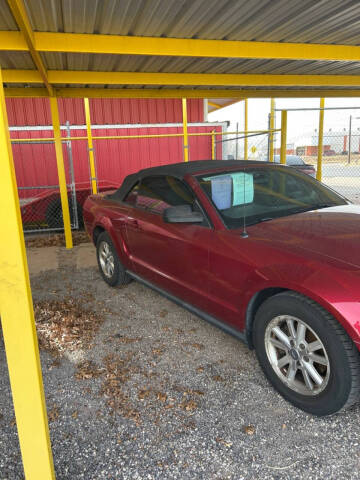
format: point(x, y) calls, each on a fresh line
point(36, 111)
point(35, 164)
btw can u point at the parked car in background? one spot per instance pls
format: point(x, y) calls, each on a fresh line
point(298, 163)
point(258, 249)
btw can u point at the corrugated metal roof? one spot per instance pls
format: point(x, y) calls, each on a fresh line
point(7, 21)
point(322, 21)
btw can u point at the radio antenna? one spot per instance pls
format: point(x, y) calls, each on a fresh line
point(244, 233)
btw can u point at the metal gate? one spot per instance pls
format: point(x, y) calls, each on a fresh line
point(40, 203)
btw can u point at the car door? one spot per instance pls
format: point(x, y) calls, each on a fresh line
point(173, 256)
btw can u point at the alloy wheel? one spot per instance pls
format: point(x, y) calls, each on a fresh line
point(106, 259)
point(297, 355)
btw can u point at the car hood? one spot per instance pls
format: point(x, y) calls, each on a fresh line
point(332, 232)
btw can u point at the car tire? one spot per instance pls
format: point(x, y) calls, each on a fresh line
point(109, 264)
point(317, 367)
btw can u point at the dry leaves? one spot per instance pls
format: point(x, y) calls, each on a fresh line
point(117, 372)
point(65, 326)
point(56, 240)
point(188, 405)
point(124, 339)
point(249, 429)
point(53, 413)
point(88, 369)
point(224, 442)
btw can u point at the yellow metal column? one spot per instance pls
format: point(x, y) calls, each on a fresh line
point(272, 126)
point(283, 137)
point(90, 147)
point(246, 156)
point(185, 131)
point(17, 319)
point(61, 171)
point(213, 145)
point(320, 140)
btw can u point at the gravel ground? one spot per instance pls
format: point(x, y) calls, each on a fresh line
point(160, 394)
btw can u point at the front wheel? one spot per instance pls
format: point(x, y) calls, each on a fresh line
point(111, 269)
point(306, 354)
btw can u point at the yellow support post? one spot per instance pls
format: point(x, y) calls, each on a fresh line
point(246, 156)
point(283, 137)
point(185, 131)
point(320, 140)
point(213, 145)
point(272, 126)
point(61, 171)
point(18, 325)
point(90, 147)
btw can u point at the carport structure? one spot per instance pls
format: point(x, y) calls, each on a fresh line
point(227, 50)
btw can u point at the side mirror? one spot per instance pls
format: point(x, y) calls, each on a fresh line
point(182, 214)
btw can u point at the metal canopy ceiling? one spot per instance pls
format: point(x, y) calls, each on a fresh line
point(324, 22)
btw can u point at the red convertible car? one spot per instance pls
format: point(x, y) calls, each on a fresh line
point(260, 250)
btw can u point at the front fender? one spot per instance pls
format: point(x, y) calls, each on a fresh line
point(335, 293)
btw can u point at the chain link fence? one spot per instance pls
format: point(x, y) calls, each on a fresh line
point(39, 193)
point(233, 146)
point(341, 145)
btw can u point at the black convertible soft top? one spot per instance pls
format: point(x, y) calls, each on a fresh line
point(178, 170)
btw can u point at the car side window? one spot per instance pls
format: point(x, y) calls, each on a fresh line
point(155, 194)
point(132, 195)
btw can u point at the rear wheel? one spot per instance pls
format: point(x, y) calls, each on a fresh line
point(306, 354)
point(110, 266)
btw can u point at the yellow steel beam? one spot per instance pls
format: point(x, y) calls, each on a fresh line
point(13, 41)
point(213, 145)
point(177, 93)
point(126, 45)
point(227, 104)
point(90, 147)
point(185, 130)
point(18, 325)
point(272, 126)
point(18, 10)
point(246, 153)
point(283, 137)
point(320, 140)
point(206, 79)
point(215, 105)
point(61, 171)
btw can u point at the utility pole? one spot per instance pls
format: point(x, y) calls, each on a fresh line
point(349, 150)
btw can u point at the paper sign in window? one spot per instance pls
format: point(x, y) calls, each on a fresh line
point(243, 188)
point(221, 191)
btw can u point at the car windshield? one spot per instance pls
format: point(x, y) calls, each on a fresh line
point(264, 193)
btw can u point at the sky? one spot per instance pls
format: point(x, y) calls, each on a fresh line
point(301, 124)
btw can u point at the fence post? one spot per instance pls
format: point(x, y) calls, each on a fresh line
point(283, 137)
point(320, 140)
point(18, 325)
point(272, 126)
point(245, 128)
point(90, 147)
point(185, 131)
point(61, 171)
point(213, 145)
